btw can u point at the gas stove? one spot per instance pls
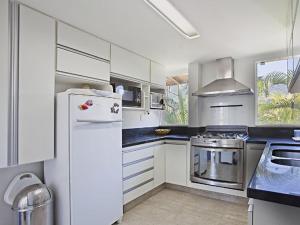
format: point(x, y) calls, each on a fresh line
point(221, 136)
point(217, 156)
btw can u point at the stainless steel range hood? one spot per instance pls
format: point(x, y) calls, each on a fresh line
point(225, 84)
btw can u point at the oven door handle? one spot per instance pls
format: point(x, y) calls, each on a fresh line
point(211, 149)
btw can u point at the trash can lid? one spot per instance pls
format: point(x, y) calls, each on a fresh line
point(32, 196)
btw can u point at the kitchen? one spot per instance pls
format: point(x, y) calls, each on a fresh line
point(117, 76)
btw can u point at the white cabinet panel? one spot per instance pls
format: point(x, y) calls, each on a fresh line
point(73, 38)
point(137, 180)
point(158, 74)
point(254, 152)
point(176, 164)
point(129, 64)
point(73, 63)
point(36, 86)
point(137, 154)
point(269, 213)
point(128, 197)
point(4, 82)
point(137, 167)
point(159, 165)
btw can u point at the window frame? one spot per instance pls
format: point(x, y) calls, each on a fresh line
point(256, 95)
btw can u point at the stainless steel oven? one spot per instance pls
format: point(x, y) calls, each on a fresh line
point(218, 162)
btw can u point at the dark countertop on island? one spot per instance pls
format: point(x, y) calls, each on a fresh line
point(273, 182)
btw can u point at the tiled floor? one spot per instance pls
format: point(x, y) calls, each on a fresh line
point(170, 207)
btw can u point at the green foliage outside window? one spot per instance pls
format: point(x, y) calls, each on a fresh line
point(275, 105)
point(176, 112)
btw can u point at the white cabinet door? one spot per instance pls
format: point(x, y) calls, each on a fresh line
point(269, 213)
point(159, 165)
point(176, 164)
point(158, 74)
point(127, 63)
point(36, 86)
point(254, 152)
point(4, 82)
point(77, 64)
point(73, 38)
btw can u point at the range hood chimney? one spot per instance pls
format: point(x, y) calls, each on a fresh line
point(225, 84)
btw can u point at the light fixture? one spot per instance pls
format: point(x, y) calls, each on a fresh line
point(174, 17)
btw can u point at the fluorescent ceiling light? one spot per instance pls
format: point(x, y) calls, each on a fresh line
point(174, 17)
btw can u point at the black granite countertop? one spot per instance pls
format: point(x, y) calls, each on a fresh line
point(142, 139)
point(137, 136)
point(273, 182)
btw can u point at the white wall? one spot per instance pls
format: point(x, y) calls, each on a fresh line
point(139, 118)
point(6, 175)
point(244, 72)
point(195, 80)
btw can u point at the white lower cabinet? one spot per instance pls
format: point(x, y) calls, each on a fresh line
point(176, 164)
point(269, 213)
point(138, 171)
point(147, 166)
point(159, 165)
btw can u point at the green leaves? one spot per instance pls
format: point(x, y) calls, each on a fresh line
point(278, 107)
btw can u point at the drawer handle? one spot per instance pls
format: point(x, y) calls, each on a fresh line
point(138, 173)
point(137, 186)
point(138, 161)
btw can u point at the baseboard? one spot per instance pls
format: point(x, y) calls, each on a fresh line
point(142, 198)
point(209, 194)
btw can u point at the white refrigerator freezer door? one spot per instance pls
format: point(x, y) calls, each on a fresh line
point(95, 162)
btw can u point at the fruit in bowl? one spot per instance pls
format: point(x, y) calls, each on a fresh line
point(162, 131)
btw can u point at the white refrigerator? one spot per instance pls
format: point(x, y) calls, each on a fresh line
point(86, 174)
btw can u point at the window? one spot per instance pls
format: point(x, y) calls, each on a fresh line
point(275, 105)
point(176, 112)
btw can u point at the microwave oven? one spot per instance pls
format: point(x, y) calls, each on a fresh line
point(131, 95)
point(157, 100)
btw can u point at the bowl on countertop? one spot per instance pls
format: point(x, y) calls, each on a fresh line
point(162, 131)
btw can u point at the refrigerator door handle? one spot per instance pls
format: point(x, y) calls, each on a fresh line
point(97, 121)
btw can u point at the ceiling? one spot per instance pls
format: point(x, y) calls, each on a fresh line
point(236, 28)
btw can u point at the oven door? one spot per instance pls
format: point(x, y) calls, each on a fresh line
point(217, 166)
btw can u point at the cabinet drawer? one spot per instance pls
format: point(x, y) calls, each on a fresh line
point(138, 154)
point(128, 197)
point(76, 39)
point(73, 63)
point(137, 180)
point(137, 167)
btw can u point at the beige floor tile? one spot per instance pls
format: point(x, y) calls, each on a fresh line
point(170, 207)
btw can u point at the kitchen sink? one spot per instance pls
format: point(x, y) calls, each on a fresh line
point(286, 155)
point(283, 153)
point(286, 162)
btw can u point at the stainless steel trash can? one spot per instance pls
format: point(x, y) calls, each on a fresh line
point(34, 206)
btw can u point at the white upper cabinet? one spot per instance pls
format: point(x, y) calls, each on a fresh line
point(77, 64)
point(127, 63)
point(81, 41)
point(36, 83)
point(4, 81)
point(158, 74)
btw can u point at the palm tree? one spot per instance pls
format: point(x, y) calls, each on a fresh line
point(273, 78)
point(277, 107)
